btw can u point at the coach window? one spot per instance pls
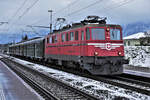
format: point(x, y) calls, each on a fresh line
point(76, 35)
point(82, 35)
point(62, 37)
point(98, 34)
point(67, 37)
point(71, 36)
point(87, 34)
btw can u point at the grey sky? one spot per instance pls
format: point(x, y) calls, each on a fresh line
point(117, 11)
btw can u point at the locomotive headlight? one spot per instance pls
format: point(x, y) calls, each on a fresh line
point(96, 53)
point(107, 29)
point(119, 53)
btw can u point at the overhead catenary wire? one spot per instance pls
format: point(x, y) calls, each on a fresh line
point(15, 14)
point(79, 10)
point(58, 11)
point(28, 9)
point(23, 14)
point(84, 8)
point(118, 4)
point(105, 9)
point(18, 10)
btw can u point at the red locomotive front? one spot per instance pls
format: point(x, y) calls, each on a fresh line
point(97, 47)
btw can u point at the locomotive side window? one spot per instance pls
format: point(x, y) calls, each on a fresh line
point(50, 39)
point(98, 34)
point(55, 39)
point(71, 36)
point(47, 40)
point(82, 35)
point(76, 35)
point(87, 34)
point(62, 37)
point(115, 34)
point(67, 37)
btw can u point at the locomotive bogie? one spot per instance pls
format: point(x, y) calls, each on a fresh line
point(103, 65)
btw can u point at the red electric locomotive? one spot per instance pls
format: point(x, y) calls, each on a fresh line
point(91, 45)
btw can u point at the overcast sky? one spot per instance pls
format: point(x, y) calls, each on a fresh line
point(19, 13)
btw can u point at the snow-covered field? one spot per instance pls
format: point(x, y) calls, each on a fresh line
point(101, 89)
point(138, 55)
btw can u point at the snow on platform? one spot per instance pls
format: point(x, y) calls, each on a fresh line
point(101, 89)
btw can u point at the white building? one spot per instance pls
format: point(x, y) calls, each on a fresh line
point(138, 39)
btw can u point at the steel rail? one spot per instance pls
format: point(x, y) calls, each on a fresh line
point(75, 90)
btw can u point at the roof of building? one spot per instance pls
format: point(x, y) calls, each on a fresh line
point(135, 36)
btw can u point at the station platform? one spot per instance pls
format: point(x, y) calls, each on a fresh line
point(138, 71)
point(13, 87)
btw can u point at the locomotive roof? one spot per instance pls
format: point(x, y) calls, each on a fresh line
point(33, 40)
point(88, 25)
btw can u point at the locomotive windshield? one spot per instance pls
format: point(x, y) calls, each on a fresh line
point(115, 34)
point(98, 34)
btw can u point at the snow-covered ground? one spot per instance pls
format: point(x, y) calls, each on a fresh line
point(101, 89)
point(138, 55)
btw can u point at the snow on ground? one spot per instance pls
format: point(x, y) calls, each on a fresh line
point(138, 55)
point(101, 89)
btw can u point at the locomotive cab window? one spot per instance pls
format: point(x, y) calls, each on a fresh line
point(115, 34)
point(98, 34)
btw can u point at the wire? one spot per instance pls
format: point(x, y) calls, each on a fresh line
point(79, 10)
point(14, 15)
point(116, 6)
point(72, 3)
point(104, 9)
point(28, 9)
point(24, 12)
point(60, 10)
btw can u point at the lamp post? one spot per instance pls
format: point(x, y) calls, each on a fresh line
point(50, 11)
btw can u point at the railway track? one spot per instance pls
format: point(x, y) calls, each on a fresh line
point(47, 87)
point(129, 82)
